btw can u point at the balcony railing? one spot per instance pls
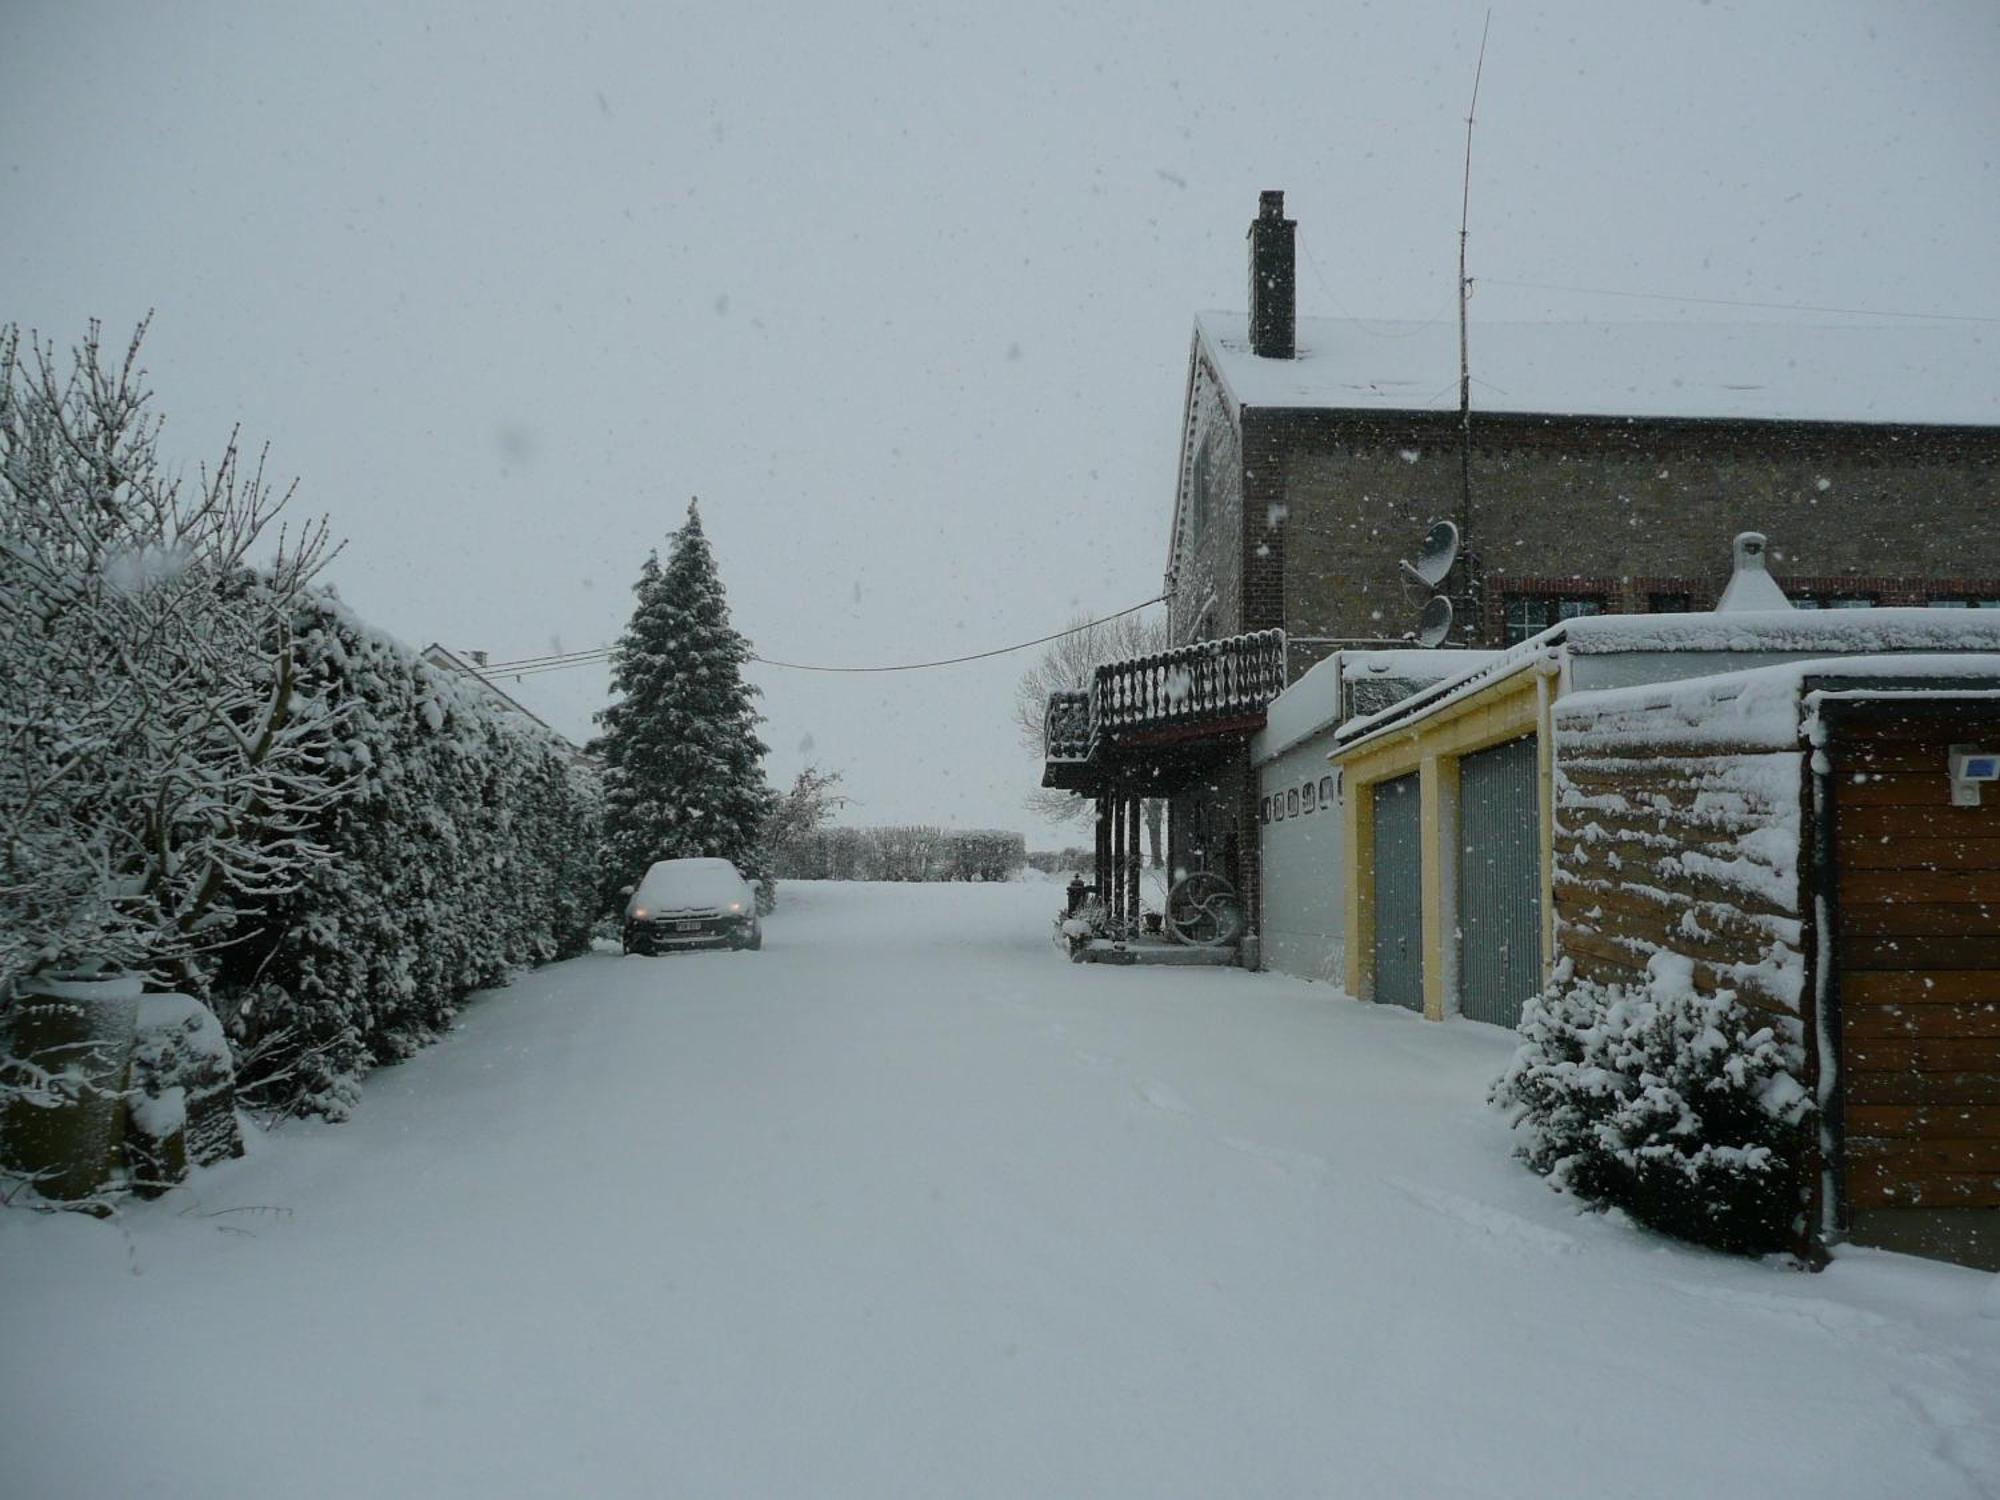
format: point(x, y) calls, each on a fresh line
point(1207, 682)
point(1066, 726)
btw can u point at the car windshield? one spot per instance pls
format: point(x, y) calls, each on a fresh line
point(676, 884)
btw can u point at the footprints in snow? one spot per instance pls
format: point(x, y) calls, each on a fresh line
point(1491, 1224)
point(1831, 1316)
point(1498, 1223)
point(1163, 1098)
point(1963, 1436)
point(1282, 1157)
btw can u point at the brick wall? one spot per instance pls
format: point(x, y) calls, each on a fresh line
point(1618, 509)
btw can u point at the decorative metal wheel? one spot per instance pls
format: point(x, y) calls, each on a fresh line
point(1203, 910)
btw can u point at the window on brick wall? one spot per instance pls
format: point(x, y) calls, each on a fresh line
point(1669, 603)
point(1531, 614)
point(1833, 601)
point(1198, 493)
point(1963, 602)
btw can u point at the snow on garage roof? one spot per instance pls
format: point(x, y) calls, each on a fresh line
point(1837, 632)
point(1920, 373)
point(1315, 700)
point(1762, 707)
point(1819, 633)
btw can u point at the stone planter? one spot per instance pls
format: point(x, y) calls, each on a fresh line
point(182, 1094)
point(62, 1116)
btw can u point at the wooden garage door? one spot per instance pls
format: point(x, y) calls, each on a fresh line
point(1399, 894)
point(1919, 973)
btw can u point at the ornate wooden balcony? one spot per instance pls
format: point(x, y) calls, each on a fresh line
point(1211, 692)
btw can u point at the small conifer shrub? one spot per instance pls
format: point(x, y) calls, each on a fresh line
point(1681, 1108)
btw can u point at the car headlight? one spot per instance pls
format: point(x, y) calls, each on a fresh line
point(736, 906)
point(638, 911)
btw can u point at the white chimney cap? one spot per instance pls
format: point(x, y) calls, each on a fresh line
point(1751, 586)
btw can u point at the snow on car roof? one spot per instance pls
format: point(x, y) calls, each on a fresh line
point(1920, 373)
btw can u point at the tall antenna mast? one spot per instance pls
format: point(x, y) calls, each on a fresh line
point(1472, 581)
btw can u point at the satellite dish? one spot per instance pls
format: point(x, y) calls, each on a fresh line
point(1435, 557)
point(1435, 622)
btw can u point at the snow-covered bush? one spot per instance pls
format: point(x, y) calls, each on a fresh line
point(1683, 1109)
point(155, 770)
point(463, 843)
point(159, 777)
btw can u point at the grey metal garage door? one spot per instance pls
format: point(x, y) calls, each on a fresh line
point(1499, 882)
point(1399, 894)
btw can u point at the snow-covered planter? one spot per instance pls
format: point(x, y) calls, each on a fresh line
point(181, 1102)
point(1075, 930)
point(65, 1052)
point(1682, 1108)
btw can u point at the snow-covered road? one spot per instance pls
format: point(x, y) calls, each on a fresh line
point(905, 1205)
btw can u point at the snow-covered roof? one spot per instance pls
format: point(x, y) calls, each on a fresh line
point(1429, 664)
point(1921, 373)
point(1761, 707)
point(1838, 632)
point(1816, 634)
point(1317, 699)
point(1304, 708)
point(1477, 678)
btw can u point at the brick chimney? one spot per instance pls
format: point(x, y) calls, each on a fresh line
point(1273, 280)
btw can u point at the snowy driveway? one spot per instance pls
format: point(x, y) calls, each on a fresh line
point(905, 1205)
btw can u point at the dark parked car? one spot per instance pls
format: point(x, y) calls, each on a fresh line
point(692, 903)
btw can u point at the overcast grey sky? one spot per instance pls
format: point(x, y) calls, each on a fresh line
point(903, 294)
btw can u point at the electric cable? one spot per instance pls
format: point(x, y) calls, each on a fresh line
point(529, 666)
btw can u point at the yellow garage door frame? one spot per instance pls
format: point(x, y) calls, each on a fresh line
point(1432, 745)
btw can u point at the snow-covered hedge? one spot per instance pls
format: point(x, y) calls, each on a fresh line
point(463, 843)
point(1682, 1108)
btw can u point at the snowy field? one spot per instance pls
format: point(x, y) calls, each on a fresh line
point(906, 1205)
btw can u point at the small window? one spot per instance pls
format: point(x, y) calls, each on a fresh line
point(1277, 807)
point(1326, 791)
point(1264, 811)
point(1306, 798)
point(1963, 603)
point(1292, 803)
point(1669, 604)
point(1198, 493)
point(1835, 601)
point(1530, 614)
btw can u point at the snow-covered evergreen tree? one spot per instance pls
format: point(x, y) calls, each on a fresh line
point(683, 767)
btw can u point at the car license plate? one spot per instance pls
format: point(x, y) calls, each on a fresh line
point(687, 927)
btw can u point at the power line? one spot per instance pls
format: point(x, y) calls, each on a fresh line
point(1862, 312)
point(530, 666)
